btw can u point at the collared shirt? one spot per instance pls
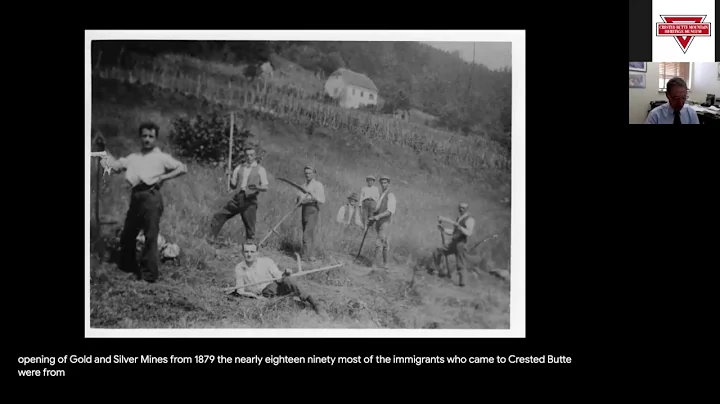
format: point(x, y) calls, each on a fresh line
point(353, 216)
point(146, 167)
point(316, 189)
point(263, 269)
point(246, 169)
point(390, 201)
point(664, 114)
point(370, 193)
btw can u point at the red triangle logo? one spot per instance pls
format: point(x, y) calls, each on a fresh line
point(683, 41)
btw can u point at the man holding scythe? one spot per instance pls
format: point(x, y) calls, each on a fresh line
point(382, 219)
point(311, 200)
point(462, 229)
point(251, 178)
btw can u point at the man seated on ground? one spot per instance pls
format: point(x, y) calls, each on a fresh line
point(263, 278)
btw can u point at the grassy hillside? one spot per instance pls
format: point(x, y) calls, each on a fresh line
point(187, 294)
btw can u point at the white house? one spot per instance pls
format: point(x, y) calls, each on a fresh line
point(351, 89)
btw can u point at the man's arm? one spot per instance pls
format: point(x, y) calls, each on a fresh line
point(115, 165)
point(652, 117)
point(275, 272)
point(263, 180)
point(273, 269)
point(235, 176)
point(694, 118)
point(177, 169)
point(319, 194)
point(469, 226)
point(390, 207)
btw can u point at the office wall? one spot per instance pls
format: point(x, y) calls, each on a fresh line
point(704, 81)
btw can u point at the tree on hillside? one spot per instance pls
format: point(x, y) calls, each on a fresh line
point(331, 62)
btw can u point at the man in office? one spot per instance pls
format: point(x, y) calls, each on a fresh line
point(674, 111)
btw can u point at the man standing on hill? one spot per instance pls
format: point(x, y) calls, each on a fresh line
point(382, 217)
point(311, 200)
point(145, 171)
point(369, 196)
point(462, 229)
point(254, 269)
point(252, 178)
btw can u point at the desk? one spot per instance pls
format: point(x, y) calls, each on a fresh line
point(706, 116)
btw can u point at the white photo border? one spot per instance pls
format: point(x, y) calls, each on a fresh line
point(517, 247)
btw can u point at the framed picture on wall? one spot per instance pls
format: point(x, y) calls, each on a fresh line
point(637, 80)
point(638, 66)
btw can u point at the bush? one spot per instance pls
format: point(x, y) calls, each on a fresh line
point(205, 139)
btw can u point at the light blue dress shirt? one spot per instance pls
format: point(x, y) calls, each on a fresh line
point(664, 115)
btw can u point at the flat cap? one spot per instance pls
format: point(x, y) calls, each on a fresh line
point(384, 177)
point(370, 177)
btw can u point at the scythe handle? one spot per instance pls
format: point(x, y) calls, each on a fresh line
point(229, 289)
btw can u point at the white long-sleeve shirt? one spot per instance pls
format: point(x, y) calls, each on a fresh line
point(316, 189)
point(263, 269)
point(369, 193)
point(245, 170)
point(146, 168)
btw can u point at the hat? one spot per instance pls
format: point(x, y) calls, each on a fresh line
point(310, 168)
point(370, 177)
point(354, 196)
point(384, 177)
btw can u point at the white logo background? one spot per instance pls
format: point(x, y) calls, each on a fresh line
point(666, 49)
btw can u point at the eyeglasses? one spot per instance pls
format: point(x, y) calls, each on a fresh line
point(681, 98)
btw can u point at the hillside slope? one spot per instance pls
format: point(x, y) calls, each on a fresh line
point(187, 294)
point(466, 97)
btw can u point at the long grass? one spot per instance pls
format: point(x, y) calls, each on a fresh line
point(188, 295)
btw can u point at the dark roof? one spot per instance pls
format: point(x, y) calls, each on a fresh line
point(356, 79)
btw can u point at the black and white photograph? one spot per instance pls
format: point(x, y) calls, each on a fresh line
point(638, 66)
point(637, 80)
point(306, 183)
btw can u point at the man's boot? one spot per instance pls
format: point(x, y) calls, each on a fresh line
point(317, 307)
point(461, 278)
point(385, 259)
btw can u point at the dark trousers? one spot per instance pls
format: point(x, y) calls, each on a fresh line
point(146, 208)
point(246, 207)
point(368, 209)
point(310, 214)
point(456, 247)
point(286, 286)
